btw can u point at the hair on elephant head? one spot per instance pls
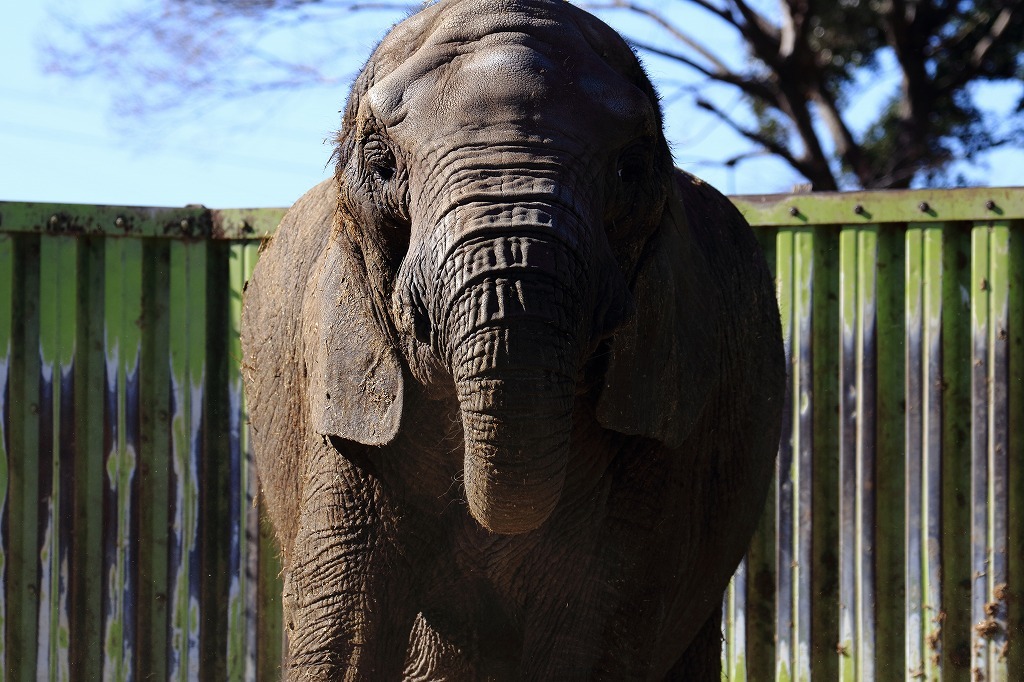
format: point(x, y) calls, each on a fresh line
point(506, 262)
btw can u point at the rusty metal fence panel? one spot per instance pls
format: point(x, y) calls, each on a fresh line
point(131, 545)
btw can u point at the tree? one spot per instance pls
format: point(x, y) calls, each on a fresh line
point(806, 64)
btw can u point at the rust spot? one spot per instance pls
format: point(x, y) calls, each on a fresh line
point(934, 639)
point(987, 628)
point(1001, 592)
point(843, 650)
point(984, 284)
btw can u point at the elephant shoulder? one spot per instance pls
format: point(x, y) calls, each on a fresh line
point(287, 257)
point(735, 260)
point(714, 220)
point(273, 294)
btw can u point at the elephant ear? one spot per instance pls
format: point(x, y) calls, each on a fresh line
point(663, 363)
point(355, 381)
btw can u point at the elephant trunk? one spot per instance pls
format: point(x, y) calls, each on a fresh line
point(513, 341)
point(517, 443)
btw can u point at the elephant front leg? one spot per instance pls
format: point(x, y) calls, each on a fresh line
point(348, 603)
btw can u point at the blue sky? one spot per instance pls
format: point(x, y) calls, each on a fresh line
point(61, 141)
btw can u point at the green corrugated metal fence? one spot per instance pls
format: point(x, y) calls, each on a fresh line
point(131, 546)
point(895, 545)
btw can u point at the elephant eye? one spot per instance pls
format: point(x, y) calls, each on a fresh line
point(380, 160)
point(633, 165)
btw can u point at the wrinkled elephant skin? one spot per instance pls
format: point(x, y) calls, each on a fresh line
point(515, 382)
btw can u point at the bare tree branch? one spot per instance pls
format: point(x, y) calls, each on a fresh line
point(754, 136)
point(762, 35)
point(673, 30)
point(846, 147)
point(985, 44)
point(752, 86)
point(631, 6)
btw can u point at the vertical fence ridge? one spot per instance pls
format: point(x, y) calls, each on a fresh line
point(926, 279)
point(244, 523)
point(6, 342)
point(990, 451)
point(57, 331)
point(188, 373)
point(123, 354)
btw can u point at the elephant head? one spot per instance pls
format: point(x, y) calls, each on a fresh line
point(505, 198)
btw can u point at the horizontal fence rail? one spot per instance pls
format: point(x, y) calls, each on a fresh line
point(132, 547)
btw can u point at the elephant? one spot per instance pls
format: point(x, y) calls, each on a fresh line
point(515, 382)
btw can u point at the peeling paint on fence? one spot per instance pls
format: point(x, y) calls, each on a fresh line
point(113, 454)
point(893, 543)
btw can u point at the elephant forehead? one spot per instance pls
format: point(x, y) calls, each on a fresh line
point(506, 78)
